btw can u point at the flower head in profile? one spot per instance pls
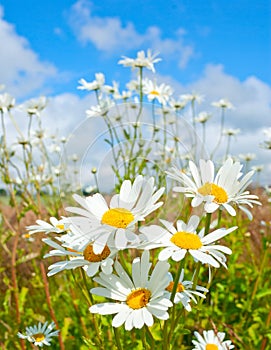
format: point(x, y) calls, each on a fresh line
point(184, 239)
point(203, 117)
point(55, 226)
point(93, 85)
point(220, 191)
point(185, 292)
point(134, 202)
point(211, 341)
point(75, 257)
point(40, 334)
point(6, 102)
point(231, 132)
point(135, 300)
point(223, 103)
point(142, 60)
point(101, 109)
point(35, 106)
point(193, 97)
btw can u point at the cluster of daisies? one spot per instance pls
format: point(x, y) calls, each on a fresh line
point(96, 233)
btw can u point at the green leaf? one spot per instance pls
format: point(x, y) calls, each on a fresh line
point(22, 297)
point(65, 328)
point(263, 294)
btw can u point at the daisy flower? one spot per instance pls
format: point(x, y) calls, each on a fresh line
point(222, 190)
point(203, 117)
point(184, 292)
point(136, 299)
point(55, 226)
point(6, 102)
point(39, 335)
point(192, 98)
point(86, 258)
point(35, 106)
point(142, 60)
point(211, 341)
point(160, 92)
point(133, 203)
point(101, 109)
point(94, 85)
point(184, 239)
point(223, 103)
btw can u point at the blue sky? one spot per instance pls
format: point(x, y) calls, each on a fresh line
point(235, 34)
point(221, 49)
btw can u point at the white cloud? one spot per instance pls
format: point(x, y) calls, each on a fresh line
point(251, 97)
point(109, 34)
point(21, 70)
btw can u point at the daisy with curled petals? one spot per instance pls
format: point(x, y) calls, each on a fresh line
point(136, 299)
point(220, 191)
point(133, 203)
point(40, 335)
point(55, 226)
point(142, 60)
point(86, 258)
point(211, 341)
point(185, 291)
point(93, 85)
point(184, 239)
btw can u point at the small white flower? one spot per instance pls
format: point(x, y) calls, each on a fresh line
point(101, 109)
point(177, 104)
point(35, 106)
point(192, 98)
point(86, 258)
point(184, 239)
point(142, 60)
point(257, 168)
point(40, 334)
point(55, 226)
point(160, 92)
point(223, 103)
point(94, 85)
point(136, 299)
point(247, 157)
point(211, 341)
point(203, 117)
point(185, 292)
point(231, 132)
point(6, 102)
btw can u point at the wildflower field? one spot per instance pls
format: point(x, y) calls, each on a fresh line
point(163, 243)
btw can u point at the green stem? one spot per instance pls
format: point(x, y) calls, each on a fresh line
point(166, 338)
point(150, 336)
point(117, 337)
point(219, 217)
point(207, 223)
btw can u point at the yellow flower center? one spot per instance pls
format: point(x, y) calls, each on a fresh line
point(38, 337)
point(212, 189)
point(180, 287)
point(154, 92)
point(138, 298)
point(117, 217)
point(186, 240)
point(60, 226)
point(211, 347)
point(90, 256)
